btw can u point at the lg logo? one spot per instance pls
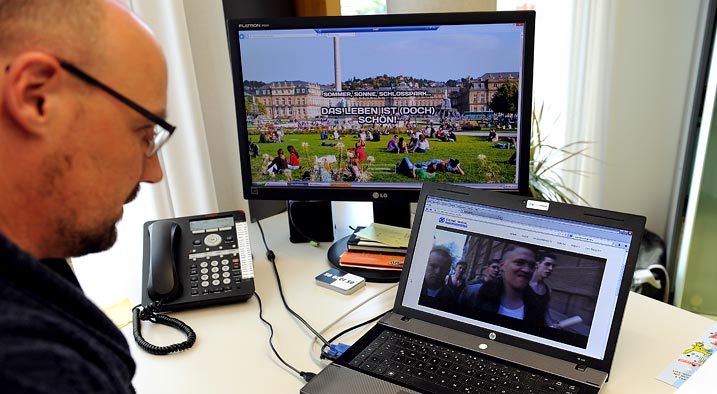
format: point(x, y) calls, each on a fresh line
point(377, 195)
point(492, 336)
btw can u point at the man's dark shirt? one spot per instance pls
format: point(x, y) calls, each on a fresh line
point(53, 339)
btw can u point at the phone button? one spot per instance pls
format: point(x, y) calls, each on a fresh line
point(213, 240)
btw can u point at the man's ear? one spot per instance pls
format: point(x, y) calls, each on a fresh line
point(31, 86)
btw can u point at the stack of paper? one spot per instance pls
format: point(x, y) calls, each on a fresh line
point(380, 238)
point(377, 246)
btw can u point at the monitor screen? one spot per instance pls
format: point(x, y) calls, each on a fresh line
point(365, 108)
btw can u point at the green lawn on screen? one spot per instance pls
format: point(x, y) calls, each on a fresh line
point(493, 168)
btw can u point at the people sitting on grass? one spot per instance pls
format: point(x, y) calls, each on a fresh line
point(293, 158)
point(253, 149)
point(422, 145)
point(412, 140)
point(492, 136)
point(360, 150)
point(278, 164)
point(392, 145)
point(352, 170)
point(451, 136)
point(402, 146)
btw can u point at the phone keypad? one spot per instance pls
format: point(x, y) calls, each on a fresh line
point(219, 267)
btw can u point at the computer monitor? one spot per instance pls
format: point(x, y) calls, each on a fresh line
point(339, 93)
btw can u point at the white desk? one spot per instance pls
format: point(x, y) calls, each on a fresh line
point(232, 353)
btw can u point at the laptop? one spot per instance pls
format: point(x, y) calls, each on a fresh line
point(508, 328)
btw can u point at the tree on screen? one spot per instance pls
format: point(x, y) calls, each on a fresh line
point(505, 100)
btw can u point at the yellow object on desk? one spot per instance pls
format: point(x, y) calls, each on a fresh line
point(120, 313)
point(385, 234)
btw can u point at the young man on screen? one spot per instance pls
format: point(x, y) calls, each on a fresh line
point(82, 100)
point(509, 296)
point(541, 291)
point(435, 293)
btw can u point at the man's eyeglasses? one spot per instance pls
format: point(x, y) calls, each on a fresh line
point(162, 129)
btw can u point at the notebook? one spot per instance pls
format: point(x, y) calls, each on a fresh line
point(556, 329)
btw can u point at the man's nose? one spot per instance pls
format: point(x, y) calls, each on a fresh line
point(152, 171)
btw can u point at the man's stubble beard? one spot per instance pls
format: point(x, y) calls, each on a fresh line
point(99, 238)
point(83, 242)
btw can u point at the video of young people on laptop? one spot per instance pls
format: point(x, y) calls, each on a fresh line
point(545, 292)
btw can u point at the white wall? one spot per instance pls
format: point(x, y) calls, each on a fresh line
point(411, 6)
point(649, 100)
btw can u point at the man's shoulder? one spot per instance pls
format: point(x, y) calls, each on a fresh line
point(43, 350)
point(32, 366)
point(41, 334)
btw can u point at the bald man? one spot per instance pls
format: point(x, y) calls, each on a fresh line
point(82, 106)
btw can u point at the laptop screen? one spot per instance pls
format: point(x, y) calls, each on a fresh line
point(538, 278)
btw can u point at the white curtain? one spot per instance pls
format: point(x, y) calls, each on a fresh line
point(186, 160)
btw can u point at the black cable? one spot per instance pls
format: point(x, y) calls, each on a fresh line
point(289, 211)
point(149, 312)
point(306, 375)
point(272, 258)
point(324, 354)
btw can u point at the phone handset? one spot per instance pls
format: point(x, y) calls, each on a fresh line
point(163, 284)
point(163, 280)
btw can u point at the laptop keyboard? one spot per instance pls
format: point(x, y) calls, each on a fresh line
point(434, 368)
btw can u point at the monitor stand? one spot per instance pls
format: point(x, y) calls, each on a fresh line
point(394, 214)
point(310, 221)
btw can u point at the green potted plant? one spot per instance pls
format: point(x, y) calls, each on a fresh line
point(546, 182)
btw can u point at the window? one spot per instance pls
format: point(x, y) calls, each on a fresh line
point(363, 7)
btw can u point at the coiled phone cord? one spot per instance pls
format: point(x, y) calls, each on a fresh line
point(149, 312)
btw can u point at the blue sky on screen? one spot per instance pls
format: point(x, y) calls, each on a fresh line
point(447, 52)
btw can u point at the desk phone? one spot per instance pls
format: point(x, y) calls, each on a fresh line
point(197, 261)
